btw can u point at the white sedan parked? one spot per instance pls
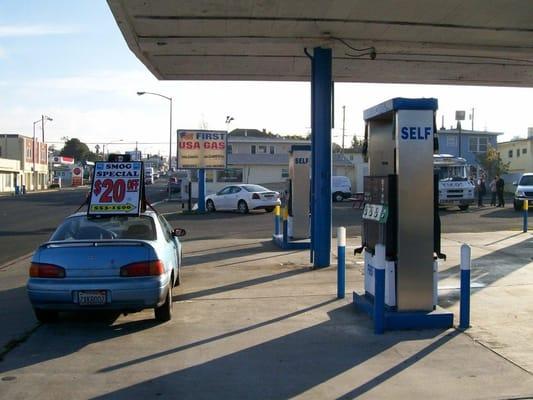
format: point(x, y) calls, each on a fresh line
point(242, 197)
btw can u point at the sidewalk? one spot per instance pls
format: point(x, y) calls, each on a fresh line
point(251, 321)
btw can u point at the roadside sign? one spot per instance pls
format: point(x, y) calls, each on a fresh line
point(202, 149)
point(77, 176)
point(116, 188)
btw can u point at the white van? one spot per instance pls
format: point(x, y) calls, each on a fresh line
point(341, 188)
point(148, 175)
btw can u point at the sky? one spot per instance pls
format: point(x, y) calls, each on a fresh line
point(68, 60)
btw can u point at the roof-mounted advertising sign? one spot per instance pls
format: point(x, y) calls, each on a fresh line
point(202, 149)
point(116, 188)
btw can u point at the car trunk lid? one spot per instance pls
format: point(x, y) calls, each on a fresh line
point(94, 259)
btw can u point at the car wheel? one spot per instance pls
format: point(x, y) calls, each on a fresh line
point(45, 316)
point(163, 313)
point(210, 206)
point(464, 207)
point(337, 196)
point(242, 207)
point(517, 205)
point(269, 209)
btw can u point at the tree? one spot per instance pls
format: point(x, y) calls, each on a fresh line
point(491, 162)
point(78, 150)
point(357, 143)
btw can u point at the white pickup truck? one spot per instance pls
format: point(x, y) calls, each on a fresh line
point(454, 187)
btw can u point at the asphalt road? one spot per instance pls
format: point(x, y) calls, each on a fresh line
point(259, 224)
point(27, 221)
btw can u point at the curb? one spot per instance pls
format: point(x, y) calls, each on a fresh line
point(14, 261)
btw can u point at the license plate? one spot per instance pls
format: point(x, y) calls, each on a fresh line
point(92, 297)
point(268, 196)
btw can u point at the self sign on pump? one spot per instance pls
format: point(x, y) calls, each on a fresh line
point(416, 132)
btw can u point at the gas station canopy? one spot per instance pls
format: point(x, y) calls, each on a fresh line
point(475, 42)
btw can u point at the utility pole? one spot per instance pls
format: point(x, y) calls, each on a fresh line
point(472, 116)
point(343, 126)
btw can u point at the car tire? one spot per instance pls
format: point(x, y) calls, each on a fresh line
point(338, 197)
point(210, 206)
point(464, 207)
point(269, 209)
point(242, 207)
point(517, 205)
point(163, 313)
point(45, 316)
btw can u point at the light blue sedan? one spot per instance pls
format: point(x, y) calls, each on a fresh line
point(123, 263)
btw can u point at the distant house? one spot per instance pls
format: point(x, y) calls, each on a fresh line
point(466, 143)
point(360, 168)
point(32, 157)
point(255, 156)
point(519, 154)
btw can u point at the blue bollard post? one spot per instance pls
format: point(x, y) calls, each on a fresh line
point(526, 206)
point(464, 312)
point(341, 262)
point(379, 289)
point(285, 228)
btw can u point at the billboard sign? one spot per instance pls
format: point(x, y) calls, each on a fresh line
point(202, 149)
point(116, 188)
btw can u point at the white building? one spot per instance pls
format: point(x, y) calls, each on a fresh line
point(32, 158)
point(255, 158)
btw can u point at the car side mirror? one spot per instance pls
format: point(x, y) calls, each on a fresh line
point(179, 232)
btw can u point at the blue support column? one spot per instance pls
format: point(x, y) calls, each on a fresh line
point(201, 190)
point(312, 190)
point(321, 110)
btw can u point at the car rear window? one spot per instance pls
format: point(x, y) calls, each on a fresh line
point(254, 188)
point(118, 227)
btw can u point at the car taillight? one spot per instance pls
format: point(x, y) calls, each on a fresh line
point(38, 270)
point(144, 268)
point(255, 196)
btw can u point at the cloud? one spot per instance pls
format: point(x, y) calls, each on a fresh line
point(35, 30)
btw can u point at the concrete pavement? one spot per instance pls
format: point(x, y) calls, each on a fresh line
point(254, 322)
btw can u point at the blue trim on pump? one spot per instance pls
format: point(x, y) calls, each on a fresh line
point(400, 103)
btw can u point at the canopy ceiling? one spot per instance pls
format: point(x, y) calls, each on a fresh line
point(475, 42)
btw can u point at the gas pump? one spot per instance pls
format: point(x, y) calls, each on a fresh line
point(299, 186)
point(401, 227)
point(295, 201)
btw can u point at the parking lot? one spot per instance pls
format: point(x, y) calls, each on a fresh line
point(251, 321)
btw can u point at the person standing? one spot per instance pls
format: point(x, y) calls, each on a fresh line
point(499, 190)
point(493, 191)
point(481, 190)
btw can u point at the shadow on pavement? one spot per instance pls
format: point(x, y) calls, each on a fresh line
point(486, 270)
point(76, 330)
point(284, 367)
point(239, 285)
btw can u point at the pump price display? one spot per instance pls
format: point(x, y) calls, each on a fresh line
point(116, 188)
point(376, 212)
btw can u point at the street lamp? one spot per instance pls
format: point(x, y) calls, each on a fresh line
point(108, 143)
point(42, 120)
point(170, 131)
